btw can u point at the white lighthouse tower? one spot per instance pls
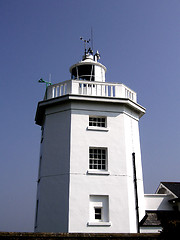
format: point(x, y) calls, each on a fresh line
point(90, 172)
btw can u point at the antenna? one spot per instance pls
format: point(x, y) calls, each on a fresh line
point(85, 44)
point(92, 39)
point(49, 77)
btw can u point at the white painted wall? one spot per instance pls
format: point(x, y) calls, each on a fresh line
point(65, 186)
point(53, 185)
point(121, 140)
point(132, 143)
point(158, 202)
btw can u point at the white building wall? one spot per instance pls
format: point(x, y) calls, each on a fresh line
point(158, 202)
point(65, 185)
point(132, 142)
point(118, 185)
point(53, 184)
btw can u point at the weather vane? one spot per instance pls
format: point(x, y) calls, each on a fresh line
point(47, 83)
point(85, 44)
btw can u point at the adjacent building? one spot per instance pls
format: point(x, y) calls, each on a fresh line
point(164, 205)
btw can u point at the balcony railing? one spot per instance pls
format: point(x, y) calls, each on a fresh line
point(87, 88)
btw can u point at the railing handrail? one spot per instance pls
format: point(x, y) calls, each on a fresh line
point(96, 88)
point(92, 82)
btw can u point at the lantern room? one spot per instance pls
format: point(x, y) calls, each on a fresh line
point(89, 69)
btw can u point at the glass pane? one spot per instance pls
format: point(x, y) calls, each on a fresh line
point(98, 213)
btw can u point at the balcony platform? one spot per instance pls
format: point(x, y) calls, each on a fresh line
point(89, 92)
point(90, 88)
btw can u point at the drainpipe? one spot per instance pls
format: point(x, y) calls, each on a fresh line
point(136, 192)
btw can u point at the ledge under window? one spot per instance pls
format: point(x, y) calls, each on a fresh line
point(96, 172)
point(94, 128)
point(105, 224)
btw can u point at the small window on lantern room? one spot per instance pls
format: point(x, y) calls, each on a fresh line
point(83, 72)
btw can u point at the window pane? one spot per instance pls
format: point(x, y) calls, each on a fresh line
point(98, 214)
point(95, 150)
point(97, 121)
point(97, 158)
point(103, 151)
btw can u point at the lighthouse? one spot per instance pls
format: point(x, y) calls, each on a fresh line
point(90, 172)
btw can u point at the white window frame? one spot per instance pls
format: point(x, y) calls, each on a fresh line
point(98, 161)
point(96, 121)
point(98, 214)
point(99, 202)
point(94, 125)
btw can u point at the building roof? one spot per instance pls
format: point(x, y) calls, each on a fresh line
point(150, 219)
point(172, 188)
point(157, 218)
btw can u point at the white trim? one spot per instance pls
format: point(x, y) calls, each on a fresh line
point(93, 128)
point(98, 205)
point(161, 185)
point(156, 195)
point(105, 224)
point(97, 172)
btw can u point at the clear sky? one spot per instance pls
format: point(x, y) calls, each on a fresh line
point(139, 43)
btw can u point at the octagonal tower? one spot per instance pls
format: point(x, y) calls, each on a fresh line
point(90, 173)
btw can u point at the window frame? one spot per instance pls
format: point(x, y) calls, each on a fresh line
point(98, 121)
point(99, 202)
point(98, 215)
point(96, 159)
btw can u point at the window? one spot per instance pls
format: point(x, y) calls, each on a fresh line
point(83, 72)
point(98, 213)
point(97, 121)
point(99, 210)
point(98, 158)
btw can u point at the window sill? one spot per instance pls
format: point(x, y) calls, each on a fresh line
point(102, 129)
point(95, 172)
point(105, 224)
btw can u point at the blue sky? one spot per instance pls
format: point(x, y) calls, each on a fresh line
point(139, 43)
